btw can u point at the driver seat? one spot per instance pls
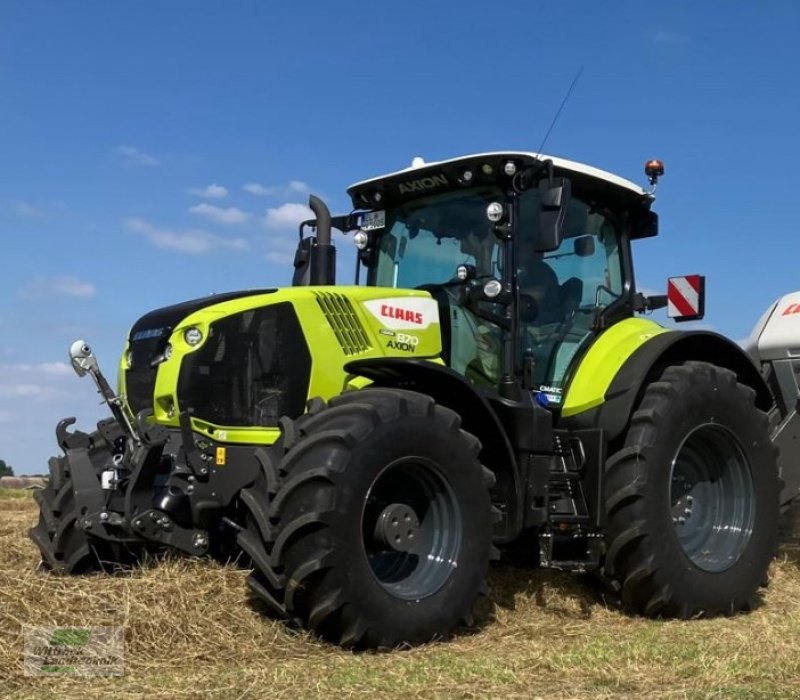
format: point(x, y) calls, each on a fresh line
point(554, 302)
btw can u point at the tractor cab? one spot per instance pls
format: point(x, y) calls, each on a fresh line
point(527, 256)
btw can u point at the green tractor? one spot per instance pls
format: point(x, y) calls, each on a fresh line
point(367, 450)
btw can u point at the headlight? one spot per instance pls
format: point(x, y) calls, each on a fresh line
point(361, 239)
point(494, 212)
point(162, 356)
point(465, 272)
point(492, 288)
point(193, 336)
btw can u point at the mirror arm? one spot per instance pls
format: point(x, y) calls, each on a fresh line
point(642, 303)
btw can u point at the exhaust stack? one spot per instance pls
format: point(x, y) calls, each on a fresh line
point(323, 253)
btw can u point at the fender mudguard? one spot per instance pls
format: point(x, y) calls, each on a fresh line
point(620, 395)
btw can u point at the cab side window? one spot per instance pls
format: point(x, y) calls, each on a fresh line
point(561, 291)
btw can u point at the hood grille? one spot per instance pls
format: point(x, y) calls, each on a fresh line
point(345, 324)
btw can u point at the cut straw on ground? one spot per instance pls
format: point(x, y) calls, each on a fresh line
point(191, 632)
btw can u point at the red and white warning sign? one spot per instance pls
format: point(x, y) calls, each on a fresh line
point(686, 297)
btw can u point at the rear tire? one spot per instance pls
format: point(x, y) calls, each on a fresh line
point(324, 521)
point(692, 498)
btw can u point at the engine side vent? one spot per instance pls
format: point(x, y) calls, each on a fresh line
point(342, 318)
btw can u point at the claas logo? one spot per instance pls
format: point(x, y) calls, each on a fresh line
point(792, 309)
point(402, 314)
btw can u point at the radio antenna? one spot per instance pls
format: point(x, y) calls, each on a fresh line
point(558, 113)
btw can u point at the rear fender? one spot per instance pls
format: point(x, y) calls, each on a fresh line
point(647, 361)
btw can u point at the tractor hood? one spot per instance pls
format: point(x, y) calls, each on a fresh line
point(239, 361)
point(162, 322)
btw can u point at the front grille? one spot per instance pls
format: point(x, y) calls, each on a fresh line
point(344, 322)
point(140, 379)
point(253, 368)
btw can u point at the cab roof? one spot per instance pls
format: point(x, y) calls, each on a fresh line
point(560, 164)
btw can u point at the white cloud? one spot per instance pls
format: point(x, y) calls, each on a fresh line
point(33, 398)
point(283, 222)
point(18, 391)
point(258, 190)
point(293, 187)
point(281, 251)
point(192, 241)
point(31, 381)
point(229, 216)
point(58, 286)
point(27, 211)
point(287, 216)
point(54, 369)
point(133, 156)
point(212, 191)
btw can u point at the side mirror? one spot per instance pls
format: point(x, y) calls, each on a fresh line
point(554, 195)
point(584, 246)
point(302, 262)
point(644, 224)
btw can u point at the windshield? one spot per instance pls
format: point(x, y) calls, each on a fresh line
point(427, 239)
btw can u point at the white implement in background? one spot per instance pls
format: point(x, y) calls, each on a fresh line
point(774, 346)
point(777, 333)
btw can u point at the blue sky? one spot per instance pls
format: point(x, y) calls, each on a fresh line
point(152, 152)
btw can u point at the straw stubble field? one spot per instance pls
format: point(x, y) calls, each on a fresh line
point(190, 632)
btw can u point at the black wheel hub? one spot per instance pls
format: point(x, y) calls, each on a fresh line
point(397, 527)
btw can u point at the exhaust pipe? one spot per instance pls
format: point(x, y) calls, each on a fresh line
point(323, 253)
point(323, 215)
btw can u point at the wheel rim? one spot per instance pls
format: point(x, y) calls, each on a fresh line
point(411, 529)
point(712, 498)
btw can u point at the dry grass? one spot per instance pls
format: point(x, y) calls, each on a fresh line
point(191, 633)
point(15, 493)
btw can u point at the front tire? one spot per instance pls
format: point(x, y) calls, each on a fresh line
point(692, 498)
point(65, 548)
point(374, 529)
